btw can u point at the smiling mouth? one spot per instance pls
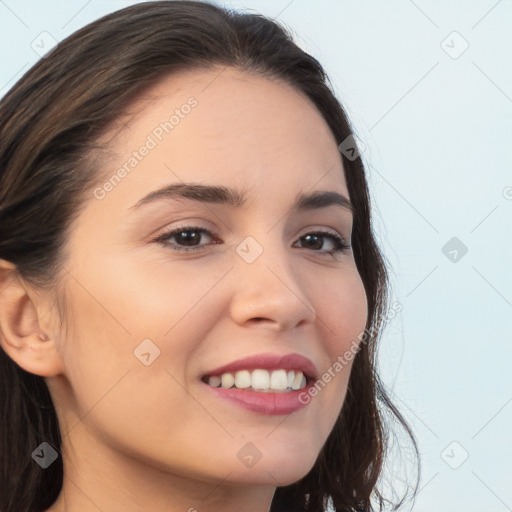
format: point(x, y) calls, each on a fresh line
point(265, 381)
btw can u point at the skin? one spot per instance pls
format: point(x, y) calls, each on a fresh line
point(152, 437)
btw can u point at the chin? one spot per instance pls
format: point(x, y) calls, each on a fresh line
point(280, 473)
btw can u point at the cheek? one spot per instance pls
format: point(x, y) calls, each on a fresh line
point(341, 307)
point(116, 309)
point(342, 311)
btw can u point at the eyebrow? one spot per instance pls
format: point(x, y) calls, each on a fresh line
point(232, 197)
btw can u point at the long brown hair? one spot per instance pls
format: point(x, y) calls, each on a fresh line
point(50, 123)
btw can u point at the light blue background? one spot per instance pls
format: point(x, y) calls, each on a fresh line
point(438, 137)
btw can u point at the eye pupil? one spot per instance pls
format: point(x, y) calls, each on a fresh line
point(188, 236)
point(315, 238)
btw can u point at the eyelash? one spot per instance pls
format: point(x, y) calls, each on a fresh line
point(340, 244)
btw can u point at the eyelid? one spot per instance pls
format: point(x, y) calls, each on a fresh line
point(176, 230)
point(341, 243)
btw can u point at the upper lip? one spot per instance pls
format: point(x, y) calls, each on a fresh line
point(269, 361)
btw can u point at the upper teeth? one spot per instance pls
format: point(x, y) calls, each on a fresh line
point(260, 380)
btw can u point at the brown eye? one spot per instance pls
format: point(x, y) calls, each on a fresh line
point(317, 239)
point(185, 238)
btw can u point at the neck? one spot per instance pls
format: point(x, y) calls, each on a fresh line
point(107, 480)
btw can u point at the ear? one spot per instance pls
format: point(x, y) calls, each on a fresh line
point(22, 336)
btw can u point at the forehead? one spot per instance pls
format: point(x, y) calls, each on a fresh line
point(228, 126)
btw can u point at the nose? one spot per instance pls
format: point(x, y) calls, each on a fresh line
point(269, 291)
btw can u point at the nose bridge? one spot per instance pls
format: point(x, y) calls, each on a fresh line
point(267, 287)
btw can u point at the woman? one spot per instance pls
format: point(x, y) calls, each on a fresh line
point(191, 293)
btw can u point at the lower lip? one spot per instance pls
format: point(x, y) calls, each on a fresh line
point(264, 403)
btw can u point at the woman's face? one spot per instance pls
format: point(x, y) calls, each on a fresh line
point(148, 320)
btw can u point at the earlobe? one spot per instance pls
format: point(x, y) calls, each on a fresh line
point(21, 336)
